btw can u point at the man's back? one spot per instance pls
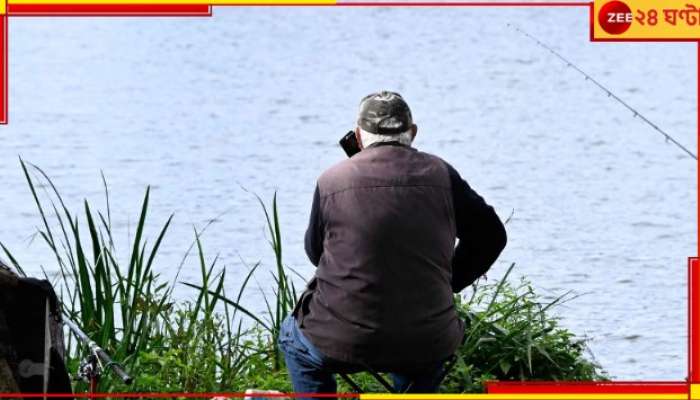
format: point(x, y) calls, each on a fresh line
point(383, 294)
point(382, 233)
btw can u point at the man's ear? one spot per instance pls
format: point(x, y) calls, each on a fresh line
point(358, 138)
point(414, 129)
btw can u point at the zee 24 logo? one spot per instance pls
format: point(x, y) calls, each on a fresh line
point(616, 17)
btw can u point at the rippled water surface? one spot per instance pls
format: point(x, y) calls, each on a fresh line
point(256, 98)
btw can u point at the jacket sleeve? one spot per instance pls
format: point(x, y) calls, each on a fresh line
point(313, 240)
point(481, 234)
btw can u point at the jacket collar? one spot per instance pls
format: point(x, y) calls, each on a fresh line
point(392, 143)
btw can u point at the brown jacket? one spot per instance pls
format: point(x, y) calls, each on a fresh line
point(382, 234)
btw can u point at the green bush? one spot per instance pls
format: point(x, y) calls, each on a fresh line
point(511, 336)
point(200, 345)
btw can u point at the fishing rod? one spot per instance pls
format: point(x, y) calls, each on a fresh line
point(91, 368)
point(636, 113)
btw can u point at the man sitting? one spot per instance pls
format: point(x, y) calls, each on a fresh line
point(382, 233)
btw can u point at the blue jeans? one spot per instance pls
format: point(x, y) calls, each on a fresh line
point(312, 372)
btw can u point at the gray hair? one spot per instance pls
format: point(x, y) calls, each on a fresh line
point(369, 138)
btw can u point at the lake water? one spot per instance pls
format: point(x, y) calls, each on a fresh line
point(257, 98)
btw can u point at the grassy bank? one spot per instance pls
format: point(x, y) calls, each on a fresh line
point(213, 342)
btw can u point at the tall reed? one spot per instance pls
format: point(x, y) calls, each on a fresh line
point(201, 345)
point(126, 308)
point(284, 291)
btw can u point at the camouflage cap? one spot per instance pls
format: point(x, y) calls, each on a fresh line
point(384, 113)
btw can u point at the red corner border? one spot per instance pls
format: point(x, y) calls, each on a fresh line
point(109, 10)
point(4, 90)
point(694, 320)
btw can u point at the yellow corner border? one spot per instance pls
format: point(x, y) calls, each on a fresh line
point(533, 396)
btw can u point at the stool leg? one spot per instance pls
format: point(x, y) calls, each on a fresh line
point(352, 383)
point(381, 380)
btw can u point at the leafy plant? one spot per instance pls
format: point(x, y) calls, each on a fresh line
point(511, 335)
point(200, 345)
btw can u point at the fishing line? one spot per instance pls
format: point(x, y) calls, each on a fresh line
point(636, 113)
